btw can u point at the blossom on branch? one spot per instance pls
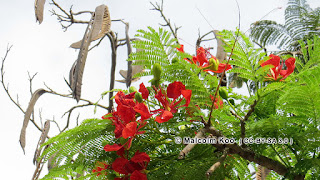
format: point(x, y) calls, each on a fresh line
point(134, 167)
point(174, 91)
point(276, 72)
point(201, 60)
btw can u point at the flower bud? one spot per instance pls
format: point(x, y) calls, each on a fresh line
point(132, 89)
point(155, 82)
point(223, 92)
point(156, 71)
point(214, 64)
point(174, 60)
point(138, 97)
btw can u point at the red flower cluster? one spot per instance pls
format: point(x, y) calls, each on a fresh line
point(201, 60)
point(276, 72)
point(174, 91)
point(124, 118)
point(127, 126)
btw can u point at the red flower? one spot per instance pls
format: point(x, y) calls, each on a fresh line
point(134, 166)
point(276, 72)
point(143, 110)
point(201, 60)
point(114, 147)
point(174, 91)
point(131, 130)
point(144, 91)
point(125, 106)
point(180, 49)
point(137, 175)
point(290, 63)
point(201, 56)
point(119, 124)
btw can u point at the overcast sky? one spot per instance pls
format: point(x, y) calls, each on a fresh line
point(44, 49)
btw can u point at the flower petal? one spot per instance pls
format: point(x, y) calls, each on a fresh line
point(137, 175)
point(290, 63)
point(221, 68)
point(187, 95)
point(201, 56)
point(275, 61)
point(143, 110)
point(114, 147)
point(164, 116)
point(144, 91)
point(130, 130)
point(140, 157)
point(180, 48)
point(174, 89)
point(119, 165)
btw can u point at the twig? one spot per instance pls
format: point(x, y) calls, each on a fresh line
point(96, 45)
point(67, 17)
point(69, 114)
point(30, 81)
point(129, 72)
point(200, 38)
point(159, 8)
point(6, 88)
point(56, 124)
point(51, 91)
point(236, 115)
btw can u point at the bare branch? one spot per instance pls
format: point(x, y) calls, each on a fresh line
point(114, 41)
point(51, 91)
point(159, 8)
point(96, 45)
point(6, 88)
point(30, 81)
point(68, 16)
point(129, 48)
point(200, 38)
point(69, 114)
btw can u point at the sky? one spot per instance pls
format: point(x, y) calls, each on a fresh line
point(44, 49)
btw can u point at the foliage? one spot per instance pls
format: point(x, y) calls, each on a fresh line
point(301, 23)
point(285, 109)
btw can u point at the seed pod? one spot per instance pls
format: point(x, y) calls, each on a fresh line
point(223, 92)
point(132, 89)
point(156, 71)
point(155, 82)
point(138, 97)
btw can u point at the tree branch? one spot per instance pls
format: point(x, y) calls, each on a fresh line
point(159, 8)
point(67, 17)
point(114, 41)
